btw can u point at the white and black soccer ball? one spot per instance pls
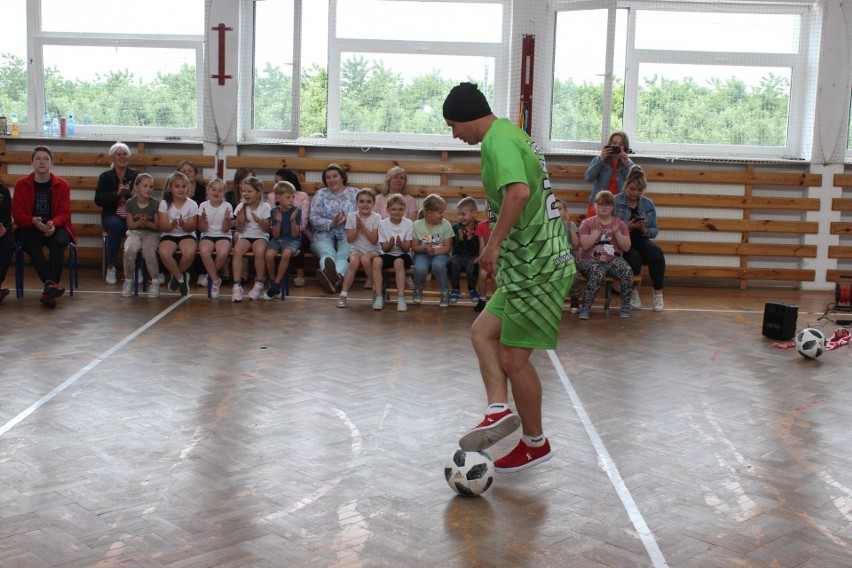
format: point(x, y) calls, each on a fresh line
point(810, 343)
point(469, 473)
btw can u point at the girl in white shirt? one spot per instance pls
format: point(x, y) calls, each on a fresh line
point(362, 232)
point(214, 222)
point(251, 221)
point(177, 219)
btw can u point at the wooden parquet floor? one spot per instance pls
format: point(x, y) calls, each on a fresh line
point(199, 433)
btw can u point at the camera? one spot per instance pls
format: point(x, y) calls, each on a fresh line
point(614, 149)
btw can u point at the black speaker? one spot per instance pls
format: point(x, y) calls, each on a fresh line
point(779, 320)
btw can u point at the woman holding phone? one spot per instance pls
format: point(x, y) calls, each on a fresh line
point(608, 170)
point(640, 215)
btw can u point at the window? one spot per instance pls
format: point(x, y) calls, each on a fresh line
point(13, 68)
point(274, 66)
point(391, 64)
point(581, 94)
point(724, 79)
point(134, 73)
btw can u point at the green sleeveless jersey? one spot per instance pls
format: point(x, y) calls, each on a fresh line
point(536, 248)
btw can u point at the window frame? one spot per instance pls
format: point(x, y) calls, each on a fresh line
point(803, 66)
point(38, 39)
point(246, 95)
point(337, 46)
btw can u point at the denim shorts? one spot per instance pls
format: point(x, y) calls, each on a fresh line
point(279, 245)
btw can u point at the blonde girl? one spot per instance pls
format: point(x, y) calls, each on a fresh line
point(251, 221)
point(142, 235)
point(214, 223)
point(432, 241)
point(177, 218)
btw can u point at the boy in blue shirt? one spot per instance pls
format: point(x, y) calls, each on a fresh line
point(286, 236)
point(465, 251)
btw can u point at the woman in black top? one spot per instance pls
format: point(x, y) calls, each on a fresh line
point(114, 189)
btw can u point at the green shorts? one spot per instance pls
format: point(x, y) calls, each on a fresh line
point(531, 316)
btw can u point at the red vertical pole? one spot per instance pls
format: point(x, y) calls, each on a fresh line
point(527, 67)
point(221, 76)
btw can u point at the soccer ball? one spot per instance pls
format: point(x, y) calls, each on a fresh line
point(469, 473)
point(810, 343)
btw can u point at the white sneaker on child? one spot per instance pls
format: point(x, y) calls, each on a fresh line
point(215, 288)
point(635, 300)
point(658, 302)
point(127, 288)
point(255, 291)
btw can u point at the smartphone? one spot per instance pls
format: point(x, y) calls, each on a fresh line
point(640, 219)
point(614, 149)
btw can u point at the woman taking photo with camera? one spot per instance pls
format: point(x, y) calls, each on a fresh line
point(609, 169)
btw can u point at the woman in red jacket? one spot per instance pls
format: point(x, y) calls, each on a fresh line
point(41, 207)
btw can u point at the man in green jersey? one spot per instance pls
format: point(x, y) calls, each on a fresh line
point(529, 254)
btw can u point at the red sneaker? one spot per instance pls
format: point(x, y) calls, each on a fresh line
point(522, 457)
point(494, 428)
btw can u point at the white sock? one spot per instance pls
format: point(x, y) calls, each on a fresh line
point(534, 441)
point(496, 407)
point(344, 294)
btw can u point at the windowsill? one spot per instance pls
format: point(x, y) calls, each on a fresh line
point(46, 140)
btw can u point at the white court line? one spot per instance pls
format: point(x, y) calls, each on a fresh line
point(611, 469)
point(82, 372)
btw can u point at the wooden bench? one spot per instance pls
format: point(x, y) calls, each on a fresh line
point(722, 223)
point(729, 223)
point(844, 229)
point(727, 216)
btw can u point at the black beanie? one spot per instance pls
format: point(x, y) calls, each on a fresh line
point(465, 103)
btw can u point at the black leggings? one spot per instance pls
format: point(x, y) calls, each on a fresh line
point(645, 251)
